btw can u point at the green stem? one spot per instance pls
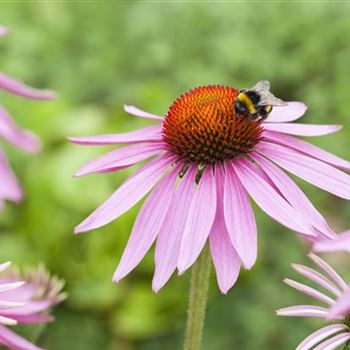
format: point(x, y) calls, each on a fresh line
point(197, 301)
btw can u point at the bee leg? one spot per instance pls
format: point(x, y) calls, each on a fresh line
point(200, 171)
point(183, 170)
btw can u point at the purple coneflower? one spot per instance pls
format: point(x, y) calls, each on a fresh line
point(207, 161)
point(339, 243)
point(25, 298)
point(9, 131)
point(337, 307)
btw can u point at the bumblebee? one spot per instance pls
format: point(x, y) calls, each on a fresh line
point(257, 102)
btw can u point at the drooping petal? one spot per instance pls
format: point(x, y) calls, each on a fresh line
point(127, 195)
point(309, 169)
point(170, 234)
point(3, 31)
point(316, 277)
point(334, 342)
point(120, 158)
point(239, 218)
point(342, 306)
point(14, 341)
point(294, 195)
point(321, 334)
point(147, 224)
point(340, 243)
point(20, 138)
point(9, 187)
point(291, 111)
point(225, 259)
point(303, 311)
point(313, 293)
point(17, 87)
point(302, 129)
point(199, 221)
point(139, 113)
point(326, 268)
point(306, 148)
point(151, 133)
point(269, 200)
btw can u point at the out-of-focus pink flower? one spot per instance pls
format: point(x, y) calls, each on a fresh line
point(337, 306)
point(340, 243)
point(26, 298)
point(10, 132)
point(207, 161)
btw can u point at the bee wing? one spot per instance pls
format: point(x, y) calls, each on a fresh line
point(261, 86)
point(266, 98)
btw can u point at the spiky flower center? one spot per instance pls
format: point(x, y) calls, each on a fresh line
point(202, 127)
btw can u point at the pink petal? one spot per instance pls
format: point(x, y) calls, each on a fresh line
point(342, 306)
point(170, 234)
point(5, 266)
point(14, 341)
point(239, 218)
point(302, 129)
point(226, 261)
point(10, 286)
point(34, 318)
point(309, 169)
point(9, 187)
point(17, 87)
point(147, 224)
point(20, 138)
point(7, 321)
point(317, 278)
point(199, 222)
point(303, 311)
point(120, 158)
point(294, 195)
point(269, 200)
point(334, 342)
point(3, 31)
point(321, 334)
point(313, 293)
point(24, 293)
point(340, 243)
point(127, 195)
point(288, 113)
point(306, 148)
point(139, 113)
point(151, 133)
point(326, 268)
point(31, 308)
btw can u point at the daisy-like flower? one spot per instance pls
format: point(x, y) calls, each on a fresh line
point(9, 131)
point(337, 308)
point(339, 243)
point(207, 161)
point(26, 298)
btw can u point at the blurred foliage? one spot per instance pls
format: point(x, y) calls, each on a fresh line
point(99, 55)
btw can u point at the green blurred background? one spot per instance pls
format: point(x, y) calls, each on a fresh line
point(99, 55)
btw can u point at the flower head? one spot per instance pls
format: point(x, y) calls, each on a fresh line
point(25, 298)
point(9, 131)
point(337, 307)
point(206, 162)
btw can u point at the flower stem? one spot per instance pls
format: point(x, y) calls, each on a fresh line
point(197, 301)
